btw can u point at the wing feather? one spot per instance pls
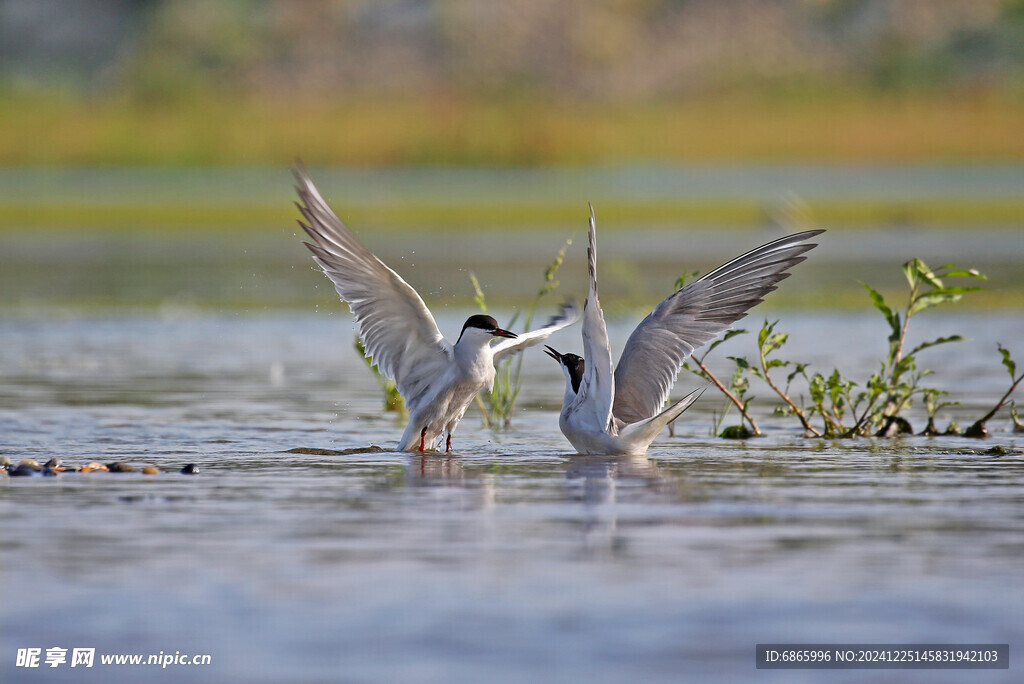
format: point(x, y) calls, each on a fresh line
point(597, 388)
point(692, 316)
point(398, 331)
point(568, 313)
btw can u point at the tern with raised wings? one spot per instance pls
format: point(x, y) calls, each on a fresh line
point(622, 411)
point(436, 378)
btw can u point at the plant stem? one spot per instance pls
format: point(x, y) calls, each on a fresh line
point(732, 397)
point(979, 426)
point(483, 412)
point(903, 332)
point(785, 397)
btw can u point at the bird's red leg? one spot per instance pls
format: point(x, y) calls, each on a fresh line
point(448, 444)
point(423, 438)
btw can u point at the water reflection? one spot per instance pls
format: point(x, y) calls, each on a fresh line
point(603, 485)
point(447, 475)
point(432, 468)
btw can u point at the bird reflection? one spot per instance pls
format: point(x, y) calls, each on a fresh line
point(474, 491)
point(603, 483)
point(598, 475)
point(428, 467)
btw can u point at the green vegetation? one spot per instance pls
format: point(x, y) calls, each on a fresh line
point(835, 126)
point(229, 215)
point(978, 429)
point(501, 400)
point(392, 399)
point(837, 406)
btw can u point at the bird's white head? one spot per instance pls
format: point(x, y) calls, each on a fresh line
point(572, 365)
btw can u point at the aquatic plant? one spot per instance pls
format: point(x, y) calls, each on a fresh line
point(496, 411)
point(877, 408)
point(735, 392)
point(392, 399)
point(978, 429)
point(932, 405)
point(837, 406)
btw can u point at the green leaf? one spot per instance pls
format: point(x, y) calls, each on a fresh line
point(733, 333)
point(766, 330)
point(904, 364)
point(816, 388)
point(740, 361)
point(1007, 361)
point(940, 340)
point(696, 371)
point(964, 273)
point(916, 268)
point(879, 302)
point(927, 301)
point(681, 280)
point(729, 335)
point(958, 289)
point(798, 370)
point(774, 342)
point(910, 271)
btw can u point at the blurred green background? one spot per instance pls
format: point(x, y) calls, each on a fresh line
point(145, 145)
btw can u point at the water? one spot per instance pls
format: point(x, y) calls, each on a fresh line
point(181, 237)
point(510, 560)
point(768, 182)
point(148, 342)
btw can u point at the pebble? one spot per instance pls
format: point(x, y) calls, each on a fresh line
point(29, 466)
point(53, 467)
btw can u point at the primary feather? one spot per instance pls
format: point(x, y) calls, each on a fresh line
point(694, 315)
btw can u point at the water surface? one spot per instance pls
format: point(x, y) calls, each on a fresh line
point(509, 560)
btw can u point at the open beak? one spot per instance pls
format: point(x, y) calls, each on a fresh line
point(552, 353)
point(498, 332)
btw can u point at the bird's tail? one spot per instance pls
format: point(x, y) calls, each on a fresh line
point(648, 429)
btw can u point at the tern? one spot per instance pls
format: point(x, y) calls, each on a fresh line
point(437, 379)
point(621, 412)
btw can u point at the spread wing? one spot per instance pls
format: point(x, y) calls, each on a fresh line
point(397, 329)
point(568, 313)
point(694, 315)
point(597, 389)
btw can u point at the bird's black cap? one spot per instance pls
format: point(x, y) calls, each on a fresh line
point(486, 323)
point(573, 363)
